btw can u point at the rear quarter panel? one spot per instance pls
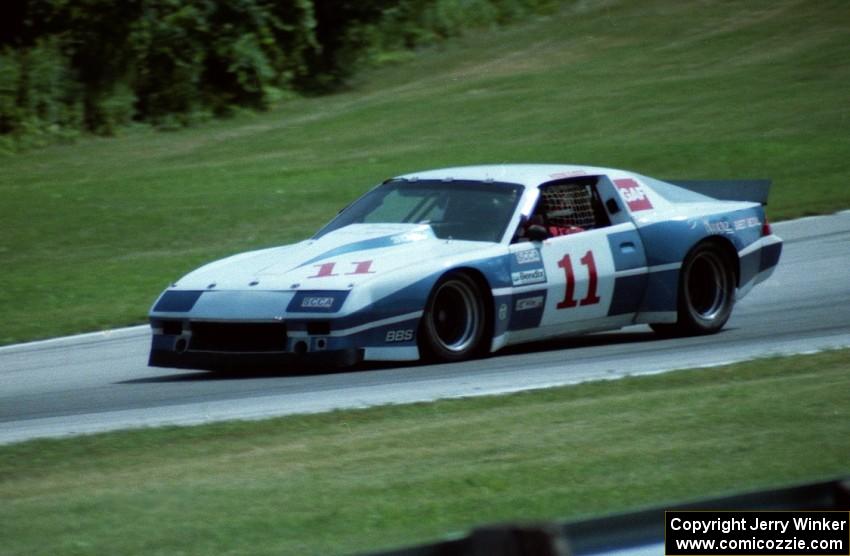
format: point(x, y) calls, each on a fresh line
point(670, 235)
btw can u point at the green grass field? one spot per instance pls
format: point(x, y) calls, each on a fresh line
point(90, 233)
point(352, 481)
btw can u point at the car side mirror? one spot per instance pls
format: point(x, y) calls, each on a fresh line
point(536, 232)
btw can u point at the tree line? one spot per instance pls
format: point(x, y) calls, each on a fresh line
point(92, 66)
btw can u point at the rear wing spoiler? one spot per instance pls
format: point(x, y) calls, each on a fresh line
point(754, 191)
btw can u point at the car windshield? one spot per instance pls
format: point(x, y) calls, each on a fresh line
point(468, 210)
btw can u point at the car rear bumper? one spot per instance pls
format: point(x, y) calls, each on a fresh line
point(757, 263)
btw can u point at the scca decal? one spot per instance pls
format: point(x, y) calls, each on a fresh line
point(527, 256)
point(633, 194)
point(317, 302)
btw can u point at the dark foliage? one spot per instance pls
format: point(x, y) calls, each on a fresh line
point(95, 65)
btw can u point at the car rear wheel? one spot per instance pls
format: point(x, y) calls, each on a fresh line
point(706, 293)
point(454, 324)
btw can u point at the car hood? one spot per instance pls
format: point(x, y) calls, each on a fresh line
point(339, 259)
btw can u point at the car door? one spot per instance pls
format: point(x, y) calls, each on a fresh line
point(593, 277)
point(592, 269)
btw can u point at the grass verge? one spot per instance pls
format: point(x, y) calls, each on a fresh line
point(91, 233)
point(352, 481)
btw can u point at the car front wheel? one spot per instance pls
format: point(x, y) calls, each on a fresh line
point(454, 324)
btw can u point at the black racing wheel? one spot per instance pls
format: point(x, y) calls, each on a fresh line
point(454, 323)
point(707, 283)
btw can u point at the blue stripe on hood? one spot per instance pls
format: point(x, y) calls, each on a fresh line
point(364, 245)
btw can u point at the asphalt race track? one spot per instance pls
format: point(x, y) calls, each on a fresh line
point(98, 382)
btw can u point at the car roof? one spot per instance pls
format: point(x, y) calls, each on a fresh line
point(529, 175)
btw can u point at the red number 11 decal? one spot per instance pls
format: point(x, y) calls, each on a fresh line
point(327, 269)
point(569, 294)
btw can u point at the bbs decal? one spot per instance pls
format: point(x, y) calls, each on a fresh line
point(399, 336)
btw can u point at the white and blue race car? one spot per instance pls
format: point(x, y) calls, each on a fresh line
point(451, 264)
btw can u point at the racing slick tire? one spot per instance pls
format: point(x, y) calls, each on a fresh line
point(454, 323)
point(706, 293)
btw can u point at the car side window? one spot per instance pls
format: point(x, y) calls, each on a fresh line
point(567, 207)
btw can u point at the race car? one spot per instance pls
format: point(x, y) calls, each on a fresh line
point(446, 265)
